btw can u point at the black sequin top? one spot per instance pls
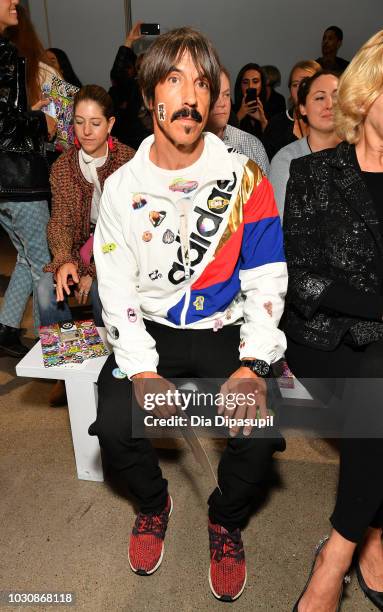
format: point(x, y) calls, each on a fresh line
point(334, 250)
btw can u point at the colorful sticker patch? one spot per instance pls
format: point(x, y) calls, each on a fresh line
point(132, 315)
point(179, 184)
point(138, 201)
point(161, 111)
point(117, 373)
point(168, 237)
point(155, 275)
point(218, 324)
point(147, 236)
point(206, 226)
point(156, 217)
point(109, 247)
point(114, 333)
point(218, 204)
point(269, 308)
point(198, 302)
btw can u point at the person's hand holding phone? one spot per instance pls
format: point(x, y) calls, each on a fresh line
point(134, 35)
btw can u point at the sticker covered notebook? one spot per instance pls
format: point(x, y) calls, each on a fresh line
point(71, 343)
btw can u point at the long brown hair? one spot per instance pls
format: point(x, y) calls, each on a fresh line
point(166, 51)
point(28, 44)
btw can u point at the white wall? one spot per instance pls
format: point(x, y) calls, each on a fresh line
point(89, 31)
point(278, 32)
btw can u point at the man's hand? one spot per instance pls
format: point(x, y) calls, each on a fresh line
point(251, 392)
point(134, 34)
point(62, 283)
point(151, 384)
point(83, 288)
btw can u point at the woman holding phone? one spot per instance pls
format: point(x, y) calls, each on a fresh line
point(249, 98)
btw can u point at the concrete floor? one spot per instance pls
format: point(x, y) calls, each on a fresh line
point(65, 535)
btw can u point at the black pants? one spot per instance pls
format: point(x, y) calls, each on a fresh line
point(244, 463)
point(359, 501)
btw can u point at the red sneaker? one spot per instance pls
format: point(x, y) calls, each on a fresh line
point(146, 546)
point(227, 573)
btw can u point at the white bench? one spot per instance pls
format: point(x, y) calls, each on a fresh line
point(81, 392)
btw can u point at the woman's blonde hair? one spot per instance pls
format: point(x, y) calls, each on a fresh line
point(360, 85)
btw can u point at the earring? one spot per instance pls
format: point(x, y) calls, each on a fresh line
point(76, 143)
point(110, 143)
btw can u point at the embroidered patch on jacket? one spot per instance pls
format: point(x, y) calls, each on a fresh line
point(117, 373)
point(269, 308)
point(242, 343)
point(218, 324)
point(132, 315)
point(168, 237)
point(114, 333)
point(147, 236)
point(138, 201)
point(109, 247)
point(218, 204)
point(180, 184)
point(198, 302)
point(155, 275)
point(156, 217)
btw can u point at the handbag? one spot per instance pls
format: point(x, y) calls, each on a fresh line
point(23, 174)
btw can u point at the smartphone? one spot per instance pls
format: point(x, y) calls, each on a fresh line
point(251, 94)
point(151, 29)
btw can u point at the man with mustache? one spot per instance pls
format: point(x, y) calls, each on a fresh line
point(186, 288)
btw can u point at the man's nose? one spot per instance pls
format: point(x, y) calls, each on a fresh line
point(189, 93)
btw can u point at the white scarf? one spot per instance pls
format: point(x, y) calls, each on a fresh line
point(88, 166)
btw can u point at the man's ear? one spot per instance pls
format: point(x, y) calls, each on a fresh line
point(339, 45)
point(148, 103)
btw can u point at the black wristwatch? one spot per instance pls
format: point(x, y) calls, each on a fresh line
point(259, 367)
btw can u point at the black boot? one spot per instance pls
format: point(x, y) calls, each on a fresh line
point(10, 341)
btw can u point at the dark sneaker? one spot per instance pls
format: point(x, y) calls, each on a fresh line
point(227, 573)
point(10, 341)
point(146, 546)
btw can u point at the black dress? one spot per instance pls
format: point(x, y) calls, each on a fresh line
point(333, 316)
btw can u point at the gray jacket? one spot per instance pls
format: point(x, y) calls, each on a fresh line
point(280, 169)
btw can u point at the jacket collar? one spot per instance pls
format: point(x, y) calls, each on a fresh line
point(349, 181)
point(220, 166)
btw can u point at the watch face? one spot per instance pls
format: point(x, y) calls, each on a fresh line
point(261, 367)
point(258, 367)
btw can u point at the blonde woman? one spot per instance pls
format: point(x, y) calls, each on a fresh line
point(333, 226)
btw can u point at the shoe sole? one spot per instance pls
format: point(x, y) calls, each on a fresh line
point(227, 598)
point(141, 572)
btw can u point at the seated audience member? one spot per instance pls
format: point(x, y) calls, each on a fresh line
point(315, 104)
point(39, 73)
point(331, 42)
point(24, 210)
point(250, 113)
point(288, 126)
point(133, 123)
point(60, 61)
point(333, 320)
point(163, 324)
point(275, 102)
point(233, 137)
point(77, 180)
